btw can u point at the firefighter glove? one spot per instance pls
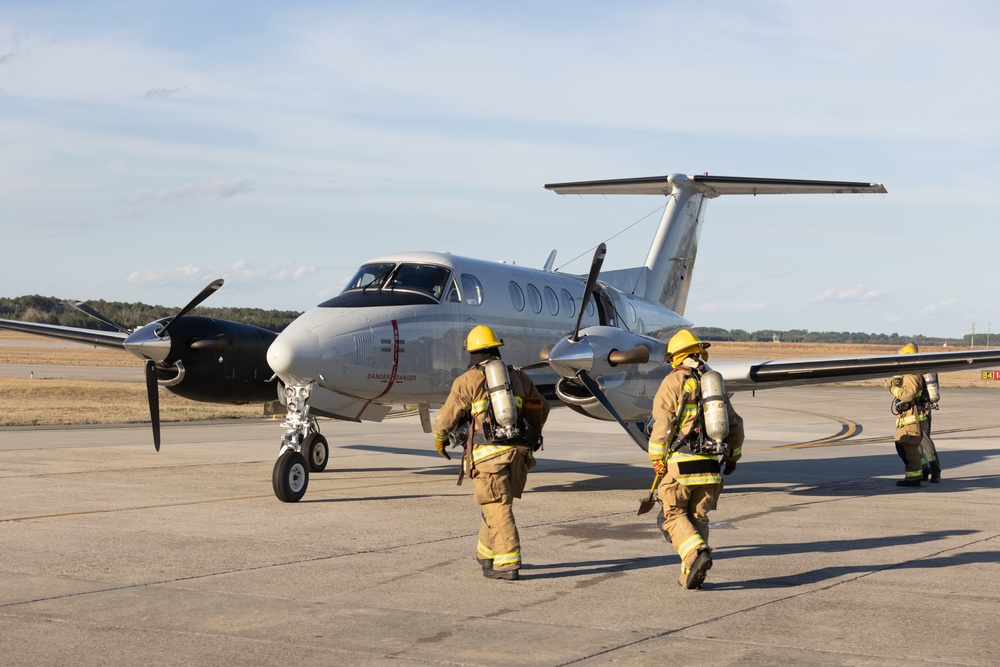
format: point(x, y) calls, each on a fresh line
point(441, 444)
point(729, 468)
point(659, 468)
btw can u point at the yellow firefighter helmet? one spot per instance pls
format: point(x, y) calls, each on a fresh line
point(684, 344)
point(909, 348)
point(481, 338)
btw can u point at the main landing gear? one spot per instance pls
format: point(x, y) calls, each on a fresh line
point(303, 449)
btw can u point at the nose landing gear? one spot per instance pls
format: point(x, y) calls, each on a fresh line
point(303, 449)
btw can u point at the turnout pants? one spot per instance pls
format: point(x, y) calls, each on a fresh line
point(495, 484)
point(927, 448)
point(908, 448)
point(685, 514)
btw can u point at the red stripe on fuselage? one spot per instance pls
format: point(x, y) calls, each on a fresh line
point(392, 375)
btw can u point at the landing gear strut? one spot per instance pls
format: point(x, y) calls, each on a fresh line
point(303, 449)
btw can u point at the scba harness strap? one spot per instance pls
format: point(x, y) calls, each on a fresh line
point(695, 441)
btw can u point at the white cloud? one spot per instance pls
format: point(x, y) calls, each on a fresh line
point(933, 308)
point(731, 307)
point(853, 294)
point(215, 189)
point(169, 276)
point(241, 272)
point(157, 94)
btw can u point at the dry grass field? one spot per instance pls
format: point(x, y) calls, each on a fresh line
point(37, 402)
point(27, 402)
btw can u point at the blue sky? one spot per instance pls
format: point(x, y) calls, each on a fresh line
point(151, 147)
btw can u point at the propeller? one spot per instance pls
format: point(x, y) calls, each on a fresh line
point(577, 356)
point(152, 344)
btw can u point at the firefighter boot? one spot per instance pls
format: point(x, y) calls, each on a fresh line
point(935, 474)
point(506, 575)
point(487, 565)
point(694, 576)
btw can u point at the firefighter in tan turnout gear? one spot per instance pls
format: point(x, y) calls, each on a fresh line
point(503, 414)
point(694, 425)
point(912, 410)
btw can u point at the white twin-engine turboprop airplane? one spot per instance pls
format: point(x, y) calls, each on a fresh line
point(395, 335)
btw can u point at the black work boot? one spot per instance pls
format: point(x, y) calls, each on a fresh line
point(935, 474)
point(487, 565)
point(506, 575)
point(699, 568)
point(909, 482)
point(925, 473)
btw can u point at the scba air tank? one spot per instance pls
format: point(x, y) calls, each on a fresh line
point(713, 406)
point(501, 397)
point(933, 391)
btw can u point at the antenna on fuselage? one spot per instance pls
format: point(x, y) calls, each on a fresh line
point(550, 262)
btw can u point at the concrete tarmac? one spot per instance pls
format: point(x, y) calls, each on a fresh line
point(112, 554)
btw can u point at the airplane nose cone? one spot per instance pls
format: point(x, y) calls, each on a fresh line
point(295, 355)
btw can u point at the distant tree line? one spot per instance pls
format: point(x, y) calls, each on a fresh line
point(50, 310)
point(834, 337)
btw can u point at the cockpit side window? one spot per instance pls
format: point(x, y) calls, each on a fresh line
point(472, 290)
point(453, 295)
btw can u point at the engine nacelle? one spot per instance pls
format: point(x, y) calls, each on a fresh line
point(217, 361)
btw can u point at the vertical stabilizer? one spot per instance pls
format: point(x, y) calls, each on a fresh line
point(666, 276)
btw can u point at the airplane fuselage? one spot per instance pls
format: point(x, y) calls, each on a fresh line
point(396, 335)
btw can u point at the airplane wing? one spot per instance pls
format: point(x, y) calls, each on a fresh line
point(112, 339)
point(713, 186)
point(750, 375)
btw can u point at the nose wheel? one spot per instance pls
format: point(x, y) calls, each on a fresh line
point(317, 452)
point(290, 477)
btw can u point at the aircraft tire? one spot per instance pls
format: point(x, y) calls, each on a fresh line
point(290, 477)
point(318, 453)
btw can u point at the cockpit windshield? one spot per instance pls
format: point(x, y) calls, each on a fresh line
point(370, 276)
point(385, 277)
point(425, 278)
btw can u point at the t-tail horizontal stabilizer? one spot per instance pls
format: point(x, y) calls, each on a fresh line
point(666, 276)
point(713, 186)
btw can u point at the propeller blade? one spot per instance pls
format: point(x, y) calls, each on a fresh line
point(84, 308)
point(204, 294)
point(533, 366)
point(595, 389)
point(152, 392)
point(595, 268)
